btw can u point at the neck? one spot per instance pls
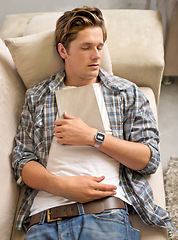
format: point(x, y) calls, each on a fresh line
point(79, 82)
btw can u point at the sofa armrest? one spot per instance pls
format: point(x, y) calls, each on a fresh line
point(135, 43)
point(11, 100)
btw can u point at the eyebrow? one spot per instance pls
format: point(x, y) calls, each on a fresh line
point(89, 43)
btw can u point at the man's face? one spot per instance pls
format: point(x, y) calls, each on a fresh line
point(83, 59)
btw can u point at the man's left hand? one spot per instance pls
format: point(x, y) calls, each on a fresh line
point(74, 131)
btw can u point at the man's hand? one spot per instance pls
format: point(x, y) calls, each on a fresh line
point(76, 188)
point(83, 188)
point(74, 131)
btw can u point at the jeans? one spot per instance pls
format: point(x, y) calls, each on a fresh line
point(110, 224)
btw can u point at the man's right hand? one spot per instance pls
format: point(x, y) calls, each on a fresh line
point(76, 188)
point(82, 188)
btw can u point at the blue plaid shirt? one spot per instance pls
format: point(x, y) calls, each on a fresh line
point(130, 118)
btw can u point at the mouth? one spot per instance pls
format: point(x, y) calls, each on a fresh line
point(94, 65)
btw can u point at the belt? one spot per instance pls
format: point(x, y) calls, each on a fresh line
point(71, 210)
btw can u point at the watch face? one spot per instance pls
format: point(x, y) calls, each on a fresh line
point(100, 137)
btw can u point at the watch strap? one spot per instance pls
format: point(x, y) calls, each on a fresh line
point(99, 139)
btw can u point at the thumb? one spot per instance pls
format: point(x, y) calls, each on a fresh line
point(67, 116)
point(99, 179)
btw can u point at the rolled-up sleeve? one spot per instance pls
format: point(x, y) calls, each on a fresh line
point(24, 146)
point(140, 126)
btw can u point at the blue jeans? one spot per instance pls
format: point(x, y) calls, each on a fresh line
point(111, 224)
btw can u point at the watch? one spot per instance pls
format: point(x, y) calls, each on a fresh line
point(99, 139)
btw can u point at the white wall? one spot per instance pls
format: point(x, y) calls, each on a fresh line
point(24, 6)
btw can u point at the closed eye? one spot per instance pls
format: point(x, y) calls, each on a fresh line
point(85, 48)
point(89, 46)
point(100, 47)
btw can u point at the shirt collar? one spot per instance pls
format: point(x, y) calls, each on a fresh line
point(57, 80)
point(109, 81)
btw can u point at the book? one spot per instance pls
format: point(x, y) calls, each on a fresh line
point(80, 102)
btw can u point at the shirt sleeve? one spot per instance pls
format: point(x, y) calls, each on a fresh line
point(140, 126)
point(24, 146)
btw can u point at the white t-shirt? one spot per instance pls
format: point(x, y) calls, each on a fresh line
point(68, 160)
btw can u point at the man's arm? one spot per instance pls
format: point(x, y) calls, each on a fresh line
point(78, 188)
point(74, 131)
point(133, 155)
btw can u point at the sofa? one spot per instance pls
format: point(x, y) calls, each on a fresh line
point(134, 50)
point(169, 11)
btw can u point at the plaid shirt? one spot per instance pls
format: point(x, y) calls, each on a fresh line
point(130, 119)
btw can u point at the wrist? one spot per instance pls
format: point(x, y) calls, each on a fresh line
point(93, 132)
point(99, 139)
point(54, 184)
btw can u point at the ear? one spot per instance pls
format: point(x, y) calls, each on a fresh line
point(62, 51)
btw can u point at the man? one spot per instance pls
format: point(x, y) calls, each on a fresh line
point(79, 204)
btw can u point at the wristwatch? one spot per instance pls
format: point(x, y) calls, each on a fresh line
point(99, 139)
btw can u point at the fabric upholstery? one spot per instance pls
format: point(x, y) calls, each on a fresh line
point(15, 24)
point(137, 47)
point(171, 46)
point(42, 23)
point(169, 11)
point(11, 99)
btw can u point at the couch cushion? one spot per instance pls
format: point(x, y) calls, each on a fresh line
point(36, 58)
point(155, 180)
point(149, 94)
point(42, 23)
point(15, 24)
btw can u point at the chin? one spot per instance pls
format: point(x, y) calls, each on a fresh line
point(93, 74)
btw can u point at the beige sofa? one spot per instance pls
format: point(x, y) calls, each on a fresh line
point(135, 45)
point(169, 10)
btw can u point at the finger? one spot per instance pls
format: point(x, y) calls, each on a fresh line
point(58, 128)
point(59, 122)
point(100, 194)
point(99, 179)
point(67, 116)
point(58, 135)
point(60, 141)
point(105, 187)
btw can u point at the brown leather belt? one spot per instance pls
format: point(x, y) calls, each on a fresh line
point(71, 210)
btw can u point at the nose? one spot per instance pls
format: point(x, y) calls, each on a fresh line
point(96, 53)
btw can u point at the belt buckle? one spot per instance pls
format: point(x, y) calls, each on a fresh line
point(48, 217)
